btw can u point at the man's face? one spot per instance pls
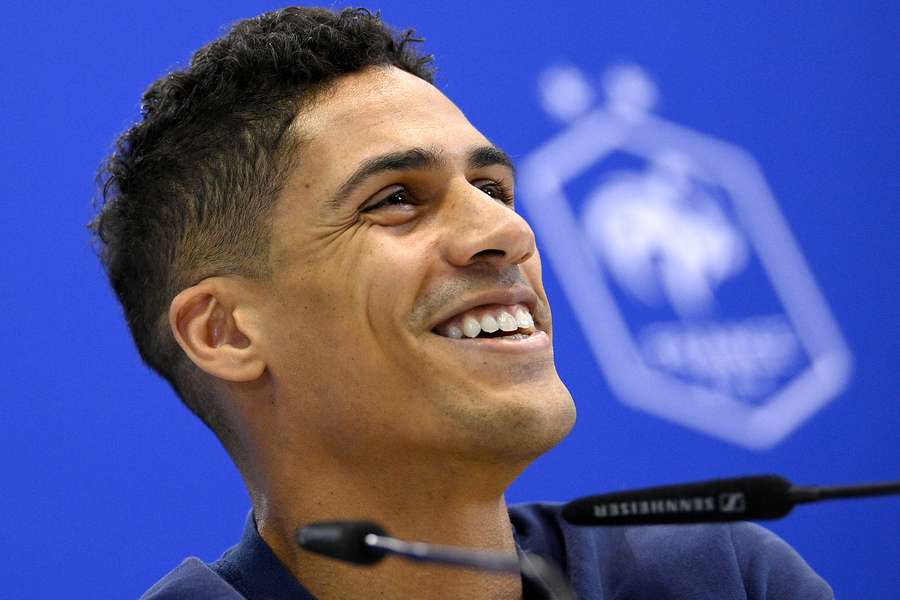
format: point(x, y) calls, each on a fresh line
point(393, 243)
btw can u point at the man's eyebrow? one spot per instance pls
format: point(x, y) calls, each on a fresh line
point(487, 156)
point(404, 160)
point(414, 159)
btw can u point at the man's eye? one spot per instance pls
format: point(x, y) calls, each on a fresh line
point(497, 191)
point(399, 197)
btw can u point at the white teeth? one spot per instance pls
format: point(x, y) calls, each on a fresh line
point(523, 319)
point(489, 324)
point(506, 321)
point(471, 327)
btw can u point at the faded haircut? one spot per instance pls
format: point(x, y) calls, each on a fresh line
point(188, 191)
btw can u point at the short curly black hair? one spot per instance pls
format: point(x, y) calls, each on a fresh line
point(188, 191)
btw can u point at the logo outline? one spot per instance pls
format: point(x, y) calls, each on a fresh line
point(595, 134)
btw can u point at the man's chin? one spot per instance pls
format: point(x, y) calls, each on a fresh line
point(515, 422)
point(547, 417)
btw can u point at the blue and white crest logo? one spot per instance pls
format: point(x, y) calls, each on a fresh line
point(694, 297)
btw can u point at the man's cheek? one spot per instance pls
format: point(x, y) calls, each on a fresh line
point(531, 270)
point(382, 300)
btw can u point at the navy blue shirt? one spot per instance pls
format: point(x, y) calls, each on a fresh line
point(739, 561)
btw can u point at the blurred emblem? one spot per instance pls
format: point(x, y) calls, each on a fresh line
point(694, 298)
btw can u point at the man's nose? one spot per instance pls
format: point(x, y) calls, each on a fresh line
point(484, 230)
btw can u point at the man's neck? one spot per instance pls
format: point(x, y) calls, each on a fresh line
point(421, 506)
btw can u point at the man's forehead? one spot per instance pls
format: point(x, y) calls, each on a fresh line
point(383, 110)
point(371, 90)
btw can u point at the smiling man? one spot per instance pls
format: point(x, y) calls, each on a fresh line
point(321, 254)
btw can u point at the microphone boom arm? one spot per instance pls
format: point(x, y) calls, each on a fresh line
point(799, 495)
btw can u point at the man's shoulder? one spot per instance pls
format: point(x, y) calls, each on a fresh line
point(191, 579)
point(736, 560)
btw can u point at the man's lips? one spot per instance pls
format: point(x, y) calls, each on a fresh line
point(515, 297)
point(518, 343)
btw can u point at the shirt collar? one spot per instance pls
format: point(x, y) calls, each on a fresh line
point(252, 568)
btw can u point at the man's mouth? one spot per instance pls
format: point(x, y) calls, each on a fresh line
point(510, 322)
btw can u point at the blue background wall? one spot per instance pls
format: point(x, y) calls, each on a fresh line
point(108, 482)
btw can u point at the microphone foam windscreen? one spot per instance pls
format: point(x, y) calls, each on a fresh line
point(738, 499)
point(343, 540)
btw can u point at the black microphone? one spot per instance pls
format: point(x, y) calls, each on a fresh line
point(366, 543)
point(344, 540)
point(720, 500)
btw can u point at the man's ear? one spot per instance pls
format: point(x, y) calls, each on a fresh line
point(214, 325)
